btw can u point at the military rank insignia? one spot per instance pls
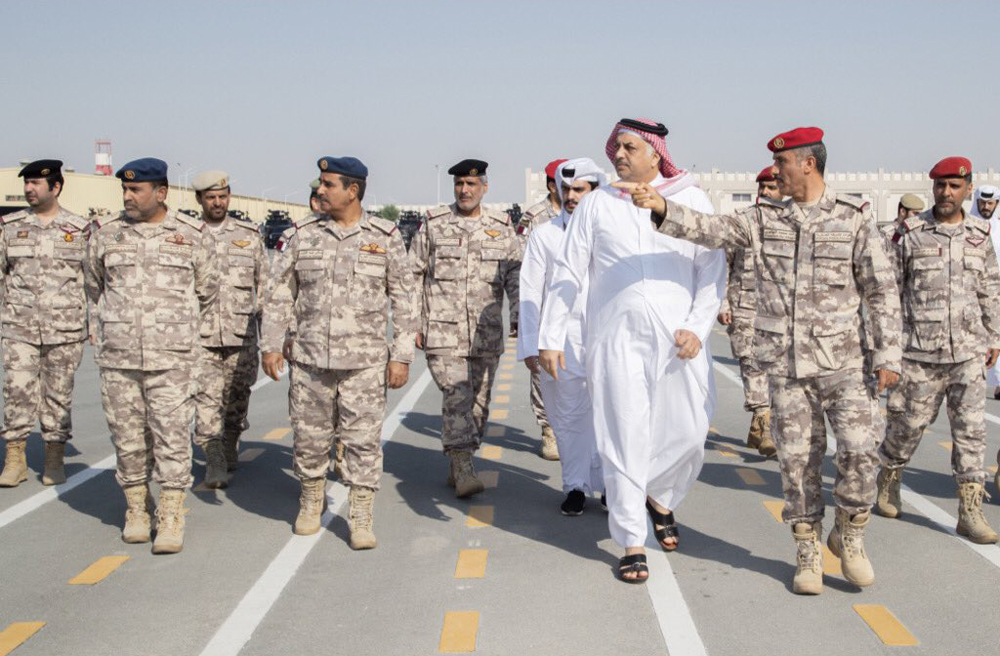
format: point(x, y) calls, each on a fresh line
point(493, 234)
point(67, 237)
point(178, 239)
point(373, 248)
point(22, 234)
point(242, 243)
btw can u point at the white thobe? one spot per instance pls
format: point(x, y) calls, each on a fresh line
point(993, 373)
point(567, 400)
point(651, 408)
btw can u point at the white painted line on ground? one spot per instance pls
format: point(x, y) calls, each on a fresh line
point(727, 372)
point(672, 612)
point(933, 512)
point(36, 501)
point(264, 380)
point(238, 628)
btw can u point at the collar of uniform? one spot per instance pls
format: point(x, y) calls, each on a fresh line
point(341, 233)
point(228, 223)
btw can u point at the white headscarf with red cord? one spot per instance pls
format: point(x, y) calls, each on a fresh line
point(653, 133)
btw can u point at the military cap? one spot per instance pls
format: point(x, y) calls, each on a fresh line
point(912, 202)
point(469, 167)
point(766, 174)
point(314, 185)
point(550, 168)
point(210, 180)
point(146, 169)
point(41, 168)
point(951, 167)
point(349, 166)
point(797, 138)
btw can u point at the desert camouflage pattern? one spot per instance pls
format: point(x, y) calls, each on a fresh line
point(42, 278)
point(537, 405)
point(151, 285)
point(962, 386)
point(949, 285)
point(335, 286)
point(741, 302)
point(462, 267)
point(756, 395)
point(799, 430)
point(225, 376)
point(38, 386)
point(242, 264)
point(343, 404)
point(149, 414)
point(466, 384)
point(813, 266)
point(538, 214)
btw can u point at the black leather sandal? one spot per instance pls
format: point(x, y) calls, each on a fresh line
point(634, 564)
point(663, 527)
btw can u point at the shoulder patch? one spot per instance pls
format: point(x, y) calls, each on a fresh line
point(312, 218)
point(386, 226)
point(501, 217)
point(77, 222)
point(441, 210)
point(857, 203)
point(12, 217)
point(249, 225)
point(909, 224)
point(981, 225)
point(197, 224)
point(103, 221)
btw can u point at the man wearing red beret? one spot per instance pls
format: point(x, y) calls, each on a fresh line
point(817, 256)
point(950, 286)
point(737, 313)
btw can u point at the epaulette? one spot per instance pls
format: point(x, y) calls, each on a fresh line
point(12, 217)
point(312, 218)
point(388, 227)
point(982, 225)
point(77, 222)
point(502, 217)
point(853, 201)
point(771, 202)
point(535, 210)
point(197, 224)
point(906, 226)
point(105, 220)
point(249, 225)
point(441, 210)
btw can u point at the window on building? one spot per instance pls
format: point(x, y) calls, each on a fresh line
point(742, 198)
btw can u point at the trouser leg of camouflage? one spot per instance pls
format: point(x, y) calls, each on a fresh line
point(59, 363)
point(21, 388)
point(799, 428)
point(923, 387)
point(150, 412)
point(537, 405)
point(208, 398)
point(755, 393)
point(241, 368)
point(225, 376)
point(466, 383)
point(348, 404)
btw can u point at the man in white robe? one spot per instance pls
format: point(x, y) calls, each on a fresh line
point(651, 305)
point(567, 400)
point(984, 206)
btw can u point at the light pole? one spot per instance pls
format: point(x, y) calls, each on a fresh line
point(437, 169)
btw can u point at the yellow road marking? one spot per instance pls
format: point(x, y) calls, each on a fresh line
point(277, 433)
point(501, 398)
point(945, 445)
point(499, 414)
point(471, 564)
point(774, 507)
point(883, 411)
point(831, 564)
point(99, 571)
point(491, 452)
point(489, 478)
point(16, 634)
point(509, 357)
point(726, 451)
point(479, 516)
point(749, 476)
point(885, 625)
point(495, 431)
point(250, 454)
point(505, 376)
point(459, 631)
point(507, 367)
point(503, 387)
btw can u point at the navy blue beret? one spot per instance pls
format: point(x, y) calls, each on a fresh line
point(41, 168)
point(349, 166)
point(469, 167)
point(146, 169)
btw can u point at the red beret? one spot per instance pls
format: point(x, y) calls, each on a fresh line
point(796, 138)
point(550, 168)
point(951, 167)
point(766, 174)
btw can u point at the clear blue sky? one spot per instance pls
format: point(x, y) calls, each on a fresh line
point(262, 89)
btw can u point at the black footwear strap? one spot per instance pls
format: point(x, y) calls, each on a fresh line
point(628, 561)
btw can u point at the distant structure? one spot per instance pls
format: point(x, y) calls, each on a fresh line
point(102, 157)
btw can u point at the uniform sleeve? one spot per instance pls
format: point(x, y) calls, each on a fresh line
point(206, 279)
point(3, 265)
point(708, 230)
point(512, 277)
point(876, 281)
point(733, 281)
point(988, 295)
point(279, 301)
point(93, 279)
point(419, 260)
point(262, 267)
point(531, 288)
point(404, 301)
point(568, 274)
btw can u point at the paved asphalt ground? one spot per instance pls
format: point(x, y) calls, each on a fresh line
point(503, 573)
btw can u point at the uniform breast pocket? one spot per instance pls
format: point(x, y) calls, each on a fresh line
point(926, 329)
point(974, 265)
point(310, 275)
point(174, 272)
point(120, 268)
point(928, 271)
point(241, 272)
point(779, 260)
point(831, 262)
point(448, 263)
point(368, 284)
point(490, 262)
point(67, 262)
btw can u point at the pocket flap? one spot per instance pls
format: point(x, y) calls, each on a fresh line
point(770, 324)
point(449, 251)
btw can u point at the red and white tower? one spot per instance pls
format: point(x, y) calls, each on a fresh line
point(102, 157)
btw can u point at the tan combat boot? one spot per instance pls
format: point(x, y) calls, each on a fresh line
point(15, 465)
point(760, 426)
point(338, 460)
point(466, 481)
point(216, 468)
point(887, 503)
point(809, 569)
point(550, 450)
point(54, 473)
point(846, 541)
point(138, 516)
point(971, 521)
point(362, 500)
point(170, 513)
point(231, 444)
point(312, 503)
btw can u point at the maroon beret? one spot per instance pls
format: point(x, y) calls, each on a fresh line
point(796, 138)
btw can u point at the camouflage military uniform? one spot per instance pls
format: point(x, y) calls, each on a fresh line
point(950, 283)
point(463, 266)
point(44, 320)
point(229, 363)
point(336, 285)
point(149, 286)
point(741, 303)
point(814, 266)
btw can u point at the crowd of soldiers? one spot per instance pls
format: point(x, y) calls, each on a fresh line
point(824, 312)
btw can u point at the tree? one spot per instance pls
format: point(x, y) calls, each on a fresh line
point(390, 213)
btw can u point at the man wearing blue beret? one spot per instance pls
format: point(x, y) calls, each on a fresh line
point(150, 283)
